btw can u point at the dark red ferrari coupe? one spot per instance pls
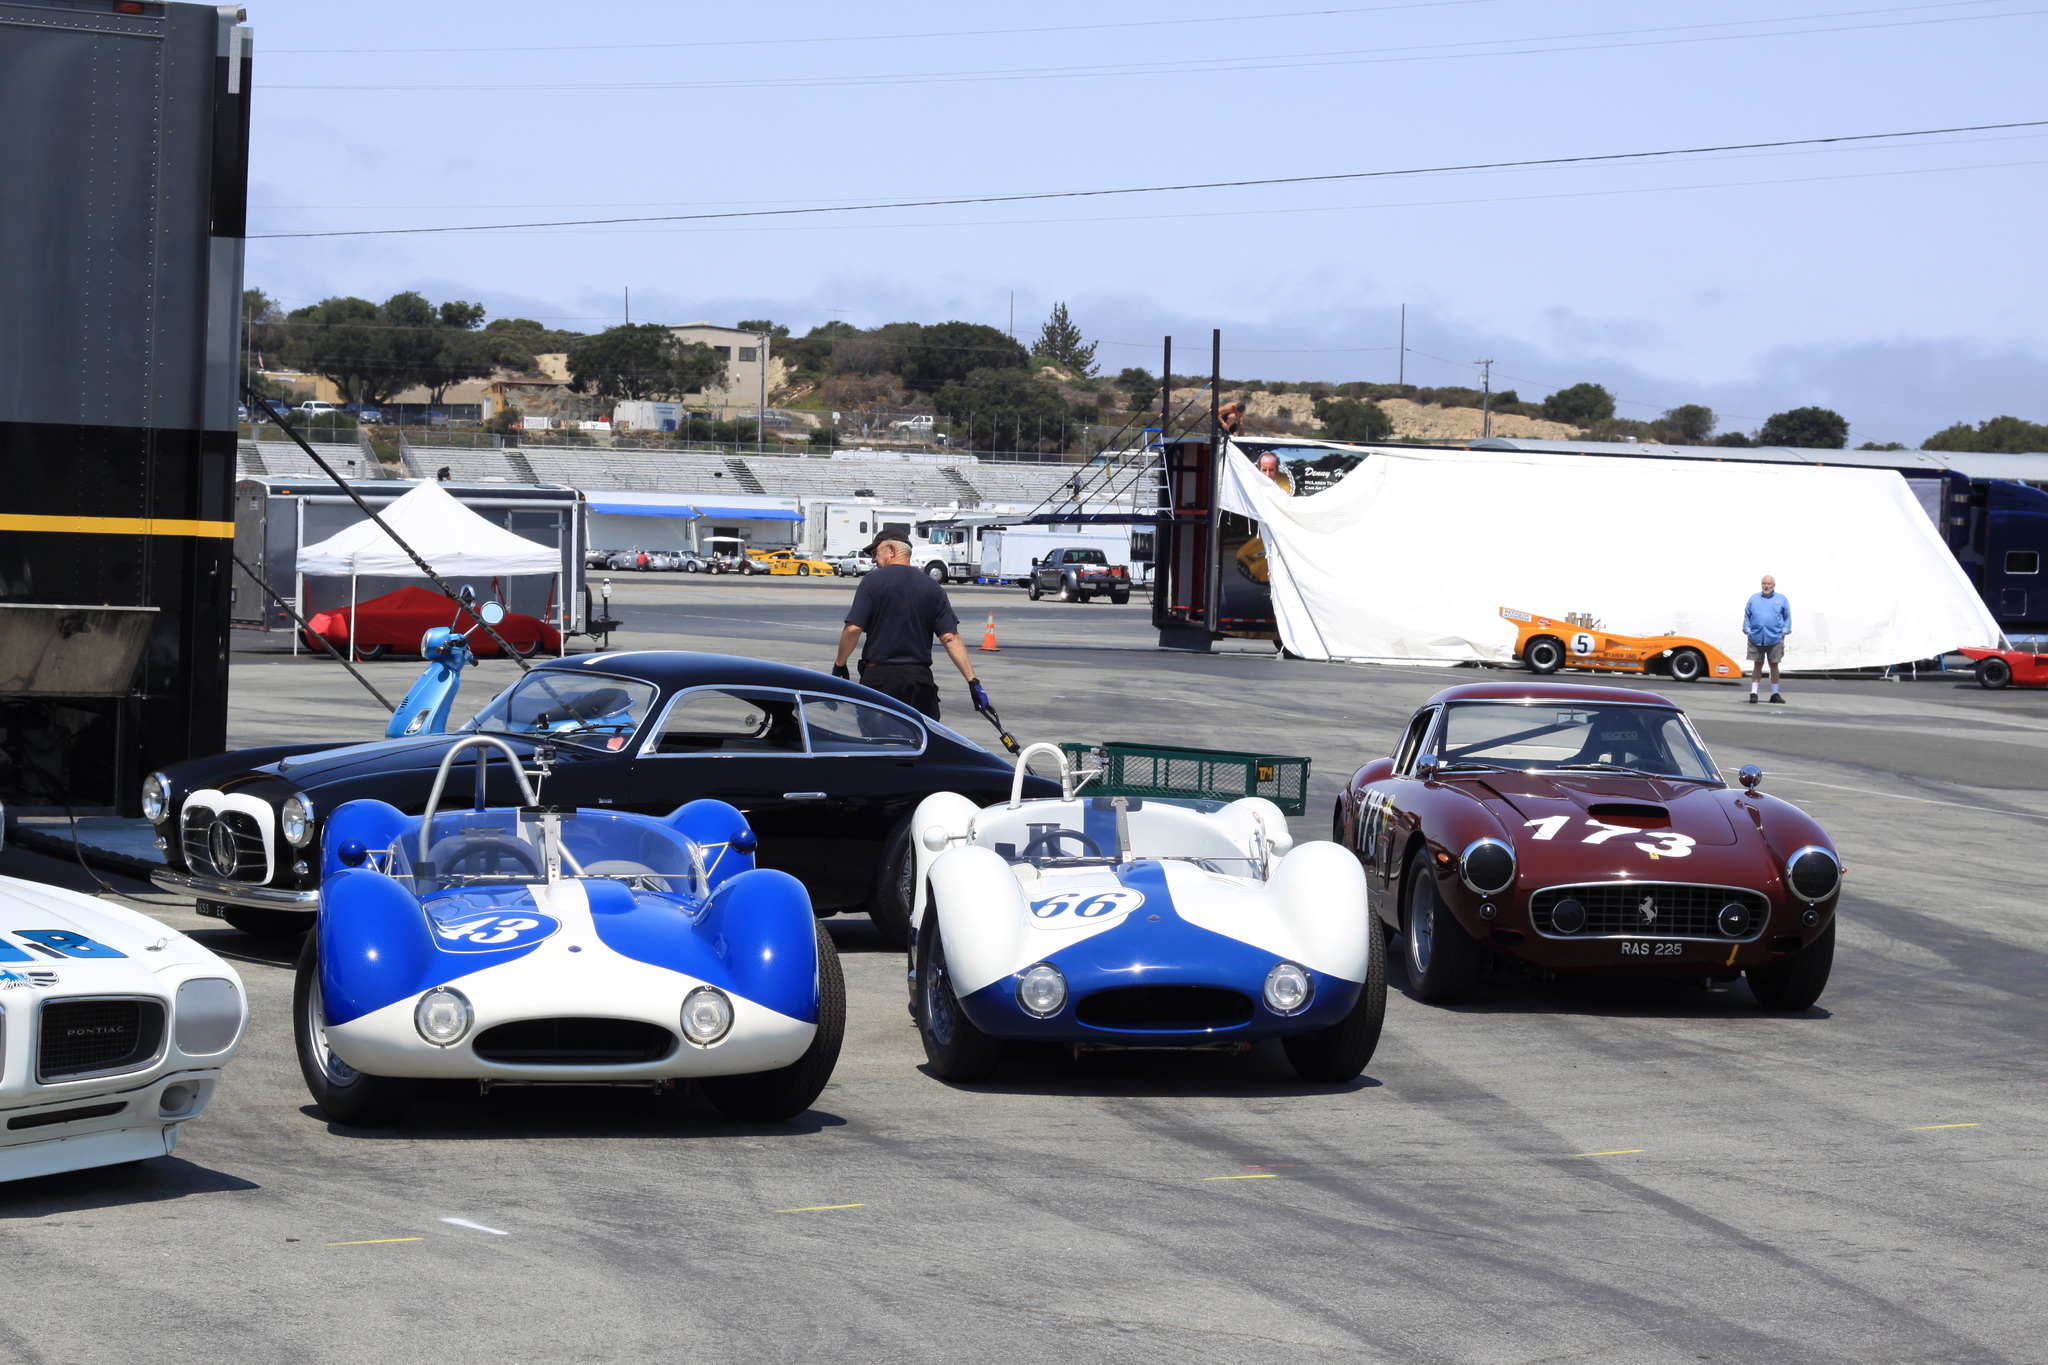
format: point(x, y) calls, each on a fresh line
point(395, 622)
point(1586, 831)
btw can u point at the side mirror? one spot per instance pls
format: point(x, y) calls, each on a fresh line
point(468, 595)
point(1426, 767)
point(746, 841)
point(492, 613)
point(1034, 563)
point(1750, 776)
point(352, 853)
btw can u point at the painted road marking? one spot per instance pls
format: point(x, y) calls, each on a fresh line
point(475, 1227)
point(1930, 1127)
point(1896, 796)
point(1626, 1151)
point(822, 1208)
point(376, 1241)
point(1260, 1175)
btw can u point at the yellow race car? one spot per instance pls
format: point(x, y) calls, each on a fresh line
point(1547, 644)
point(790, 562)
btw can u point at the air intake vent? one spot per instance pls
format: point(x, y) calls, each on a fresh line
point(1165, 1009)
point(575, 1042)
point(1631, 813)
point(98, 1037)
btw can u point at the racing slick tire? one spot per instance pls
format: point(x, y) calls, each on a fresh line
point(955, 1048)
point(1337, 1054)
point(894, 887)
point(1031, 588)
point(347, 1096)
point(1792, 986)
point(772, 1096)
point(1443, 960)
point(1544, 654)
point(803, 571)
point(1688, 665)
point(266, 923)
point(1119, 599)
point(936, 572)
point(1994, 673)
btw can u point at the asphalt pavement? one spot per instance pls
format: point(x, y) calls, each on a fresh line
point(1558, 1171)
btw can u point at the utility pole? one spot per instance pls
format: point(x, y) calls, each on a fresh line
point(1402, 374)
point(629, 305)
point(1012, 333)
point(761, 420)
point(1485, 397)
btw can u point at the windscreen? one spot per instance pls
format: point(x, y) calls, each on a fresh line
point(1601, 735)
point(592, 709)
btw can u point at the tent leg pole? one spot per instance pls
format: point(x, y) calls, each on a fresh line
point(354, 655)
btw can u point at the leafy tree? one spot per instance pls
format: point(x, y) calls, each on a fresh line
point(1731, 438)
point(263, 341)
point(1888, 445)
point(629, 361)
point(1347, 419)
point(1060, 342)
point(950, 352)
point(2000, 435)
point(810, 355)
point(1806, 429)
point(1142, 386)
point(1690, 423)
point(518, 337)
point(1579, 404)
point(344, 341)
point(775, 330)
point(693, 367)
point(1006, 407)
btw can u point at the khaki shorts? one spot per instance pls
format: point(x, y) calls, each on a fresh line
point(1768, 653)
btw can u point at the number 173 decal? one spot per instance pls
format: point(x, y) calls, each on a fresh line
point(1670, 843)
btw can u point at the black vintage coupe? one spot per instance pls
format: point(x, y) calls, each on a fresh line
point(828, 773)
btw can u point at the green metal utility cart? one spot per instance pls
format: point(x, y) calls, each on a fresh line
point(1164, 770)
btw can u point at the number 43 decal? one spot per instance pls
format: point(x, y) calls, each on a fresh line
point(1670, 844)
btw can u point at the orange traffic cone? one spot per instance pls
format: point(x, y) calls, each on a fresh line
point(988, 636)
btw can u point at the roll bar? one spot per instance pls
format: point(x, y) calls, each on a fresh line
point(1022, 767)
point(448, 761)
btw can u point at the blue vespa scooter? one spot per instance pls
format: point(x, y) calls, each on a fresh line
point(425, 708)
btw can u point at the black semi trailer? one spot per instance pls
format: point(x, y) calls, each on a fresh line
point(124, 131)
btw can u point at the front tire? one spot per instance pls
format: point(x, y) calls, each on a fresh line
point(1993, 674)
point(527, 651)
point(1688, 665)
point(268, 923)
point(1544, 654)
point(1792, 986)
point(347, 1096)
point(772, 1096)
point(936, 572)
point(369, 654)
point(1031, 589)
point(1337, 1054)
point(894, 887)
point(956, 1049)
point(1443, 960)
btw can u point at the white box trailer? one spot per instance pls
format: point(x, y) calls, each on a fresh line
point(1007, 553)
point(835, 526)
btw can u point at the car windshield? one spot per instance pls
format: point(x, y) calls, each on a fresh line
point(1085, 557)
point(510, 847)
point(593, 709)
point(1596, 736)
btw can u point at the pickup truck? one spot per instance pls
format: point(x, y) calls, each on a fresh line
point(1075, 575)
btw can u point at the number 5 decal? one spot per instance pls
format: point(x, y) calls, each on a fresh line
point(1670, 845)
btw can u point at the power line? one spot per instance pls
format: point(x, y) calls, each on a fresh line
point(1332, 178)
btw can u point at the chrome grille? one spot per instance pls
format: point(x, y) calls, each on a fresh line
point(98, 1036)
point(1650, 910)
point(227, 844)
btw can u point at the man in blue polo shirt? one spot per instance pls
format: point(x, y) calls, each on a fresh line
point(1766, 621)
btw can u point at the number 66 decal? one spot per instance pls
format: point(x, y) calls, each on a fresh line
point(1670, 843)
point(1087, 904)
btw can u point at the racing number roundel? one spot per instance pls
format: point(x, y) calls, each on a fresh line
point(1086, 905)
point(1582, 644)
point(489, 933)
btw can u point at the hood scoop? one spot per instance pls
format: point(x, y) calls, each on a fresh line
point(1630, 813)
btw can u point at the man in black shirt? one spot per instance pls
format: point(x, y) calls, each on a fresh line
point(900, 610)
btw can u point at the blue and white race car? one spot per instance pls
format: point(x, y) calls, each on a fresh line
point(1107, 922)
point(538, 945)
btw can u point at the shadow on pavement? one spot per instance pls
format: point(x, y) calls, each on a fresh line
point(133, 1182)
point(1170, 1073)
point(454, 1111)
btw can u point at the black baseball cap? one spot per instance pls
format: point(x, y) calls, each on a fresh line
point(890, 530)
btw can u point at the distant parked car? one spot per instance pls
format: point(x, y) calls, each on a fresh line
point(313, 407)
point(921, 424)
point(853, 566)
point(397, 620)
point(689, 561)
point(369, 415)
point(1076, 575)
point(598, 559)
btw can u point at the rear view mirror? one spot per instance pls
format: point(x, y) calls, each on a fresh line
point(1749, 776)
point(492, 613)
point(1426, 767)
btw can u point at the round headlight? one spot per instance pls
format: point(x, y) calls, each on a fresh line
point(298, 820)
point(1041, 990)
point(1813, 873)
point(1288, 988)
point(1488, 867)
point(1734, 920)
point(443, 1016)
point(707, 1015)
point(156, 798)
point(1568, 917)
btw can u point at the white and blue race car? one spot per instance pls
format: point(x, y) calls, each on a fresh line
point(538, 945)
point(1110, 921)
point(114, 1031)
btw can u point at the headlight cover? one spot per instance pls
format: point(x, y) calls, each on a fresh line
point(1289, 988)
point(1041, 990)
point(443, 1016)
point(209, 1016)
point(156, 798)
point(1813, 873)
point(707, 1015)
point(1487, 866)
point(297, 820)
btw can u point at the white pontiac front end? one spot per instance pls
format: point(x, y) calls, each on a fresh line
point(114, 1031)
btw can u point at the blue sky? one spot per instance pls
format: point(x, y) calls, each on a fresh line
point(1897, 281)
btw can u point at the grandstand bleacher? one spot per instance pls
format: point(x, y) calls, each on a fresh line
point(274, 459)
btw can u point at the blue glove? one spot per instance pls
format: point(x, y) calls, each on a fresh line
point(979, 694)
point(839, 671)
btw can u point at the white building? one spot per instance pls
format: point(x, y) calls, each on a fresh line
point(747, 360)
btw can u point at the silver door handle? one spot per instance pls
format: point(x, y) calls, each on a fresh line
point(803, 796)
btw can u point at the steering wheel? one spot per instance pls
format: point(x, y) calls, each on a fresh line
point(592, 704)
point(1046, 840)
point(485, 857)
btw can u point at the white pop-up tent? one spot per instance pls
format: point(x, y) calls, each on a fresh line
point(1412, 555)
point(453, 539)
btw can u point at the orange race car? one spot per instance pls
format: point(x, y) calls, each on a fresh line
point(1578, 641)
